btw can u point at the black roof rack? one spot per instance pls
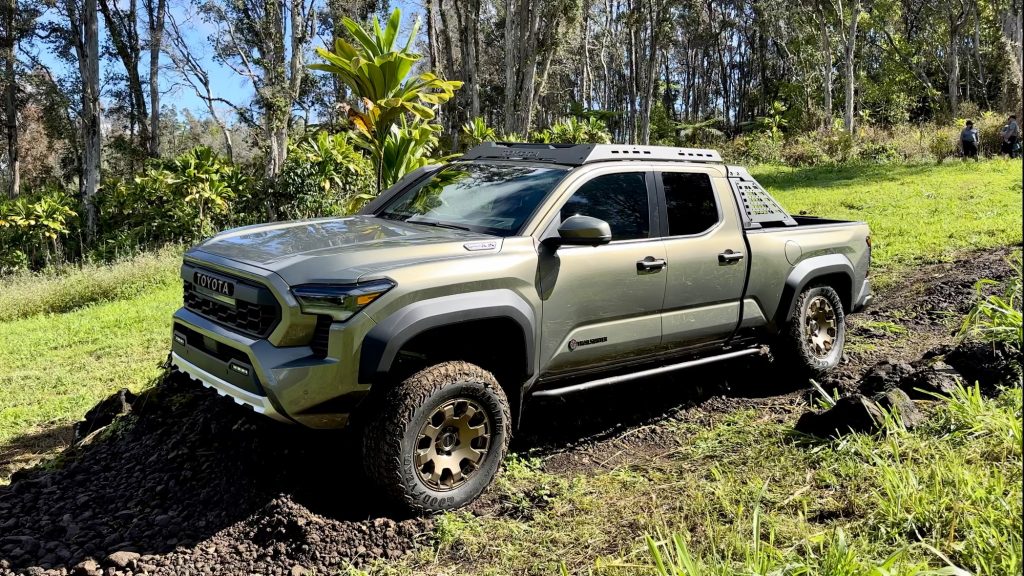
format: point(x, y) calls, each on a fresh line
point(580, 154)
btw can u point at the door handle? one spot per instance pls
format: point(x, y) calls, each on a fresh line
point(650, 264)
point(730, 257)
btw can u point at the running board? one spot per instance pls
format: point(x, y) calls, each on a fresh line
point(647, 373)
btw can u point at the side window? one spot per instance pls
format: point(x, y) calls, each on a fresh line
point(618, 199)
point(690, 200)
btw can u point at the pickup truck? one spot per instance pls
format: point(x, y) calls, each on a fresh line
point(428, 320)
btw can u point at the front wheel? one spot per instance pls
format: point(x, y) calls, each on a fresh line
point(438, 438)
point(813, 340)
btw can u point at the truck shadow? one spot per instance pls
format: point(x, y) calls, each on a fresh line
point(186, 465)
point(555, 424)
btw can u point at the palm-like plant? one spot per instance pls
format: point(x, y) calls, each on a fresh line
point(702, 132)
point(572, 130)
point(378, 72)
point(476, 131)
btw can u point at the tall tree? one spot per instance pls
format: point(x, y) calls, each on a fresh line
point(8, 44)
point(265, 42)
point(122, 25)
point(81, 33)
point(156, 14)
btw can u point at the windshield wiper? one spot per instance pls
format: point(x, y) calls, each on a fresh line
point(439, 224)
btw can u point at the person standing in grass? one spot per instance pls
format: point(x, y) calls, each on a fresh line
point(1011, 136)
point(969, 141)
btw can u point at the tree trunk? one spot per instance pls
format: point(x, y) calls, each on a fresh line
point(851, 51)
point(156, 36)
point(123, 30)
point(826, 66)
point(7, 53)
point(957, 18)
point(85, 30)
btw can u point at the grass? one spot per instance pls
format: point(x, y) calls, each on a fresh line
point(67, 288)
point(54, 367)
point(748, 496)
point(917, 213)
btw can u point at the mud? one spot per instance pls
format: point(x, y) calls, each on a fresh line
point(188, 483)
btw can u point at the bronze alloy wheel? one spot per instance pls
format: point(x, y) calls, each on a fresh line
point(821, 326)
point(452, 444)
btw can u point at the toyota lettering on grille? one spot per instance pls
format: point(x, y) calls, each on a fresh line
point(214, 284)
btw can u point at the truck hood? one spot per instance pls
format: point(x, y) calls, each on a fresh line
point(342, 250)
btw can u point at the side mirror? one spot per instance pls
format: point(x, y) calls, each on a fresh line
point(582, 231)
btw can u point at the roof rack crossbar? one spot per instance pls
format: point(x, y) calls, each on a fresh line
point(580, 154)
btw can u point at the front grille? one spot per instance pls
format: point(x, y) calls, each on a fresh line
point(248, 317)
point(218, 350)
point(321, 335)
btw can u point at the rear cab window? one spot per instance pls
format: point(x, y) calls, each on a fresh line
point(690, 203)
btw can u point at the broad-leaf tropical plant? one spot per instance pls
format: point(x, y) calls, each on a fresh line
point(379, 73)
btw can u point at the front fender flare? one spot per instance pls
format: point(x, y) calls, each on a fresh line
point(382, 344)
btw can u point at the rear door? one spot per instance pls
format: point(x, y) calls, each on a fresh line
point(602, 305)
point(706, 257)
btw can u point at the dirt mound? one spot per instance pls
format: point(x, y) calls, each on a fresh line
point(189, 482)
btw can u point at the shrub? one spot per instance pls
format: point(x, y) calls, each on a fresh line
point(575, 131)
point(31, 228)
point(879, 152)
point(476, 131)
point(805, 150)
point(944, 144)
point(762, 148)
point(323, 176)
point(179, 199)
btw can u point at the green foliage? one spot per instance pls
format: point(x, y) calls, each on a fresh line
point(572, 130)
point(31, 227)
point(64, 288)
point(324, 176)
point(700, 134)
point(379, 74)
point(179, 199)
point(409, 146)
point(476, 131)
point(997, 317)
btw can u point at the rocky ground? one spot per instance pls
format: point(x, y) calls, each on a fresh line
point(188, 483)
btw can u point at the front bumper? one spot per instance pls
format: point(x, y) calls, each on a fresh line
point(259, 404)
point(288, 383)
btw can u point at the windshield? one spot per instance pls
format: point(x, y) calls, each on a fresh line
point(492, 198)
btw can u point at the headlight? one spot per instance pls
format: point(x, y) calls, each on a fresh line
point(339, 301)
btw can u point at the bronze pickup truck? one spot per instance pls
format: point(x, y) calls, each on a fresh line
point(432, 317)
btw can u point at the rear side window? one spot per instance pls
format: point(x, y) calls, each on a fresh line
point(690, 201)
point(618, 199)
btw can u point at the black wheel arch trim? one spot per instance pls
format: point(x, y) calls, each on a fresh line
point(805, 273)
point(382, 344)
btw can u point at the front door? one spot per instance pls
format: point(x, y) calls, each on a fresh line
point(706, 256)
point(601, 305)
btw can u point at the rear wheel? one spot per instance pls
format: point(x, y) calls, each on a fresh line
point(438, 438)
point(813, 340)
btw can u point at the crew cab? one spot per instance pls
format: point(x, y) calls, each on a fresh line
point(429, 319)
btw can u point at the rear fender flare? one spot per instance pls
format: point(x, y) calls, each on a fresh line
point(382, 344)
point(804, 274)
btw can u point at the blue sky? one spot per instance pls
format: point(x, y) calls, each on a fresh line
point(224, 82)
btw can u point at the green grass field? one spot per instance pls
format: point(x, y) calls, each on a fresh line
point(950, 491)
point(918, 213)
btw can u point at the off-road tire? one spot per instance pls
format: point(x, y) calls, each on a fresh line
point(795, 349)
point(392, 434)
